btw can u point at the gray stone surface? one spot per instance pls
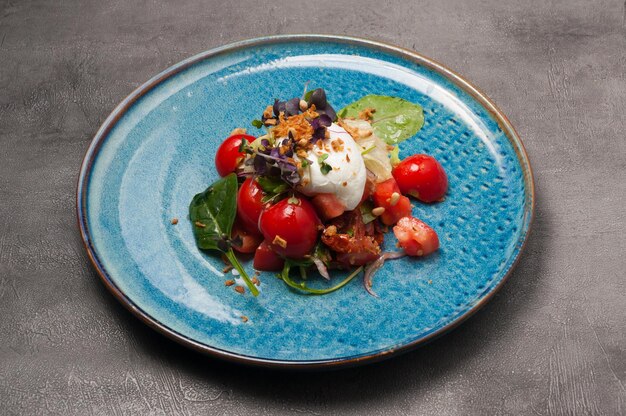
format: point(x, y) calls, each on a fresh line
point(553, 341)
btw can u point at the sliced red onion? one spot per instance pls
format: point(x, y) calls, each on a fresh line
point(371, 269)
point(321, 268)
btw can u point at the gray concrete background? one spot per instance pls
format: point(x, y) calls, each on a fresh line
point(553, 341)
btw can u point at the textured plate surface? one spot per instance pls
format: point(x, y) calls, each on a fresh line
point(156, 151)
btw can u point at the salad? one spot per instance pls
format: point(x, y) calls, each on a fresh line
point(317, 190)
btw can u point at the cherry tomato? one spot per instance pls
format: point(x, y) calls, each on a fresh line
point(249, 241)
point(396, 207)
point(228, 157)
point(416, 237)
point(328, 206)
point(250, 205)
point(421, 176)
point(291, 227)
point(266, 260)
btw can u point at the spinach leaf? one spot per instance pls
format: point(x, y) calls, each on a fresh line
point(212, 214)
point(395, 119)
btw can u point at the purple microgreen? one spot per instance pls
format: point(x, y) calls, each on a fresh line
point(278, 107)
point(292, 107)
point(318, 98)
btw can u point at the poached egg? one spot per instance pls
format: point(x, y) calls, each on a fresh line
point(346, 178)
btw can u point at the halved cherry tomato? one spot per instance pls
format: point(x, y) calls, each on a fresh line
point(291, 227)
point(228, 157)
point(421, 176)
point(266, 260)
point(250, 205)
point(328, 206)
point(249, 241)
point(416, 237)
point(395, 207)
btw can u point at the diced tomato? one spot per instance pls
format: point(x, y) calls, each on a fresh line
point(249, 241)
point(416, 237)
point(266, 260)
point(396, 207)
point(328, 206)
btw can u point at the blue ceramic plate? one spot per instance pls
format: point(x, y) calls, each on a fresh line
point(155, 151)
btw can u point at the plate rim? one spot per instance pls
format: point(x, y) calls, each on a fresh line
point(126, 103)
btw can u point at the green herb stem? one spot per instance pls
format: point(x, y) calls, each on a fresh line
point(230, 254)
point(284, 275)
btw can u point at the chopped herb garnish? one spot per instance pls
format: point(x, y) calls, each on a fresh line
point(257, 123)
point(366, 151)
point(305, 163)
point(394, 156)
point(366, 212)
point(325, 168)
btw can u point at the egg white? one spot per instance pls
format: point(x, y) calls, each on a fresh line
point(347, 178)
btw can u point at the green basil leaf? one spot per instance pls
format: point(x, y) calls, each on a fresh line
point(395, 119)
point(272, 185)
point(212, 214)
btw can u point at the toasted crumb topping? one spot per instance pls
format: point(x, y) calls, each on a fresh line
point(367, 114)
point(337, 145)
point(352, 131)
point(279, 241)
point(238, 130)
point(298, 125)
point(268, 112)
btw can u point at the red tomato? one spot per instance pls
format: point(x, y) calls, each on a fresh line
point(249, 241)
point(266, 260)
point(250, 205)
point(421, 176)
point(328, 206)
point(416, 237)
point(395, 207)
point(228, 157)
point(291, 227)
